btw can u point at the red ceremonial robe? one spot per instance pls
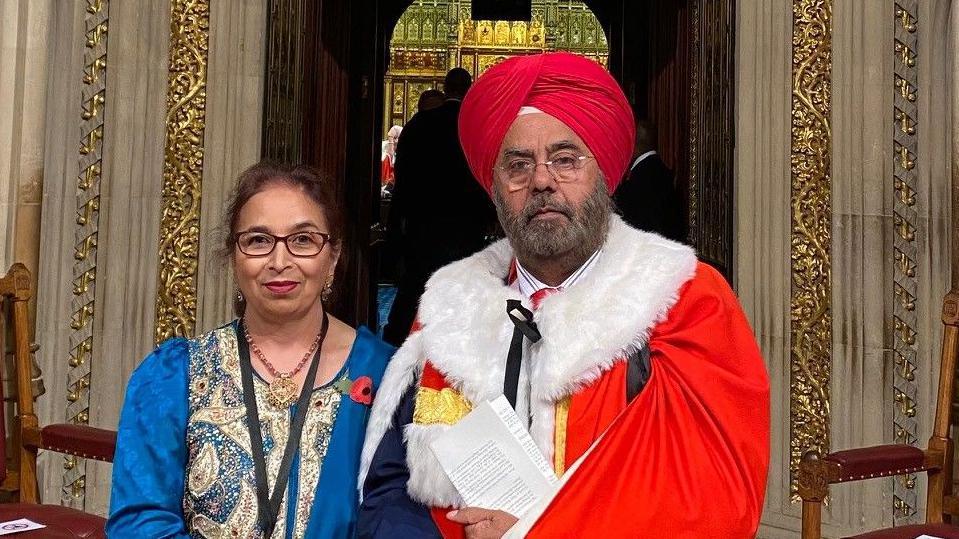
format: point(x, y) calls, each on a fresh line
point(689, 456)
point(686, 458)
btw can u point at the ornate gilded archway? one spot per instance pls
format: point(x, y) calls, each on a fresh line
point(432, 37)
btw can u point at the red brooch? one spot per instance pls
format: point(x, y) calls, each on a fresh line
point(359, 390)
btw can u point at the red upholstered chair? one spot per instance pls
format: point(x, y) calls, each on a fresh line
point(816, 474)
point(79, 440)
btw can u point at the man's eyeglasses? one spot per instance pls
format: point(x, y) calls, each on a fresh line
point(298, 243)
point(564, 167)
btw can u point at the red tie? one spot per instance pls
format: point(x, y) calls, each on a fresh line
point(542, 294)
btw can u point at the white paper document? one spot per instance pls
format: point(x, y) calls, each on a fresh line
point(492, 460)
point(19, 525)
point(928, 537)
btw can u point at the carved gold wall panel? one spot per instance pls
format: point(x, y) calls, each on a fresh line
point(83, 304)
point(502, 34)
point(905, 250)
point(434, 36)
point(182, 169)
point(810, 310)
point(486, 61)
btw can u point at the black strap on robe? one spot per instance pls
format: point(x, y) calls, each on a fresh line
point(637, 372)
point(523, 325)
point(638, 367)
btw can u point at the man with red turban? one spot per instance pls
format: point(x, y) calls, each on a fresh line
point(631, 364)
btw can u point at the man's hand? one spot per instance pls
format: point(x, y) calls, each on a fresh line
point(483, 523)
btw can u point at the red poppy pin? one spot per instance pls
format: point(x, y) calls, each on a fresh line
point(359, 390)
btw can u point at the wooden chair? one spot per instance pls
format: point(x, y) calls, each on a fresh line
point(816, 474)
point(79, 440)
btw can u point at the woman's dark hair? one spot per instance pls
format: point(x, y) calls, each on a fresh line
point(315, 184)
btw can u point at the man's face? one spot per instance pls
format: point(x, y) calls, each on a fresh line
point(549, 213)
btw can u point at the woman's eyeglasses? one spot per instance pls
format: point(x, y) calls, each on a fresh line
point(298, 243)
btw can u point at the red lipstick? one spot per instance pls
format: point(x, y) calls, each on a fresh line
point(281, 287)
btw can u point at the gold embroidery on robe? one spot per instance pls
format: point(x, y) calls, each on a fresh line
point(444, 406)
point(559, 438)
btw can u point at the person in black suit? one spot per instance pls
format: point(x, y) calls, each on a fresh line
point(648, 198)
point(424, 235)
point(430, 99)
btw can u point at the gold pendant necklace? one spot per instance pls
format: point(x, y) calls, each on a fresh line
point(283, 389)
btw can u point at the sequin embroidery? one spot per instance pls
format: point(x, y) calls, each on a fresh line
point(220, 499)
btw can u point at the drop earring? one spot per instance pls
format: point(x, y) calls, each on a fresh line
point(327, 292)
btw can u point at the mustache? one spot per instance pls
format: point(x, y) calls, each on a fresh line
point(543, 201)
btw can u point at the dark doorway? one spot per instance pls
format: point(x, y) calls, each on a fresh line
point(324, 105)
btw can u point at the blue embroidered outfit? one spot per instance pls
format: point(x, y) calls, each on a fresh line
point(184, 466)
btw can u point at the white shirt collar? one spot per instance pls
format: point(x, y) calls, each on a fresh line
point(641, 157)
point(528, 284)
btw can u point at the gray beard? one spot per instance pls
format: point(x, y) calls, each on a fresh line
point(575, 240)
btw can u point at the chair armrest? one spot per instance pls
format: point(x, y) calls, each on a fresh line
point(879, 461)
point(79, 440)
point(816, 474)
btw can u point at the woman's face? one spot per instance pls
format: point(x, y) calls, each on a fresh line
point(280, 286)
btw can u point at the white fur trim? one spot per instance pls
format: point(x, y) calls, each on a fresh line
point(586, 329)
point(542, 429)
point(607, 314)
point(610, 312)
point(428, 483)
point(400, 374)
point(466, 333)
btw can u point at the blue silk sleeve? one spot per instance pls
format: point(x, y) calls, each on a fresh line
point(335, 504)
point(149, 465)
point(387, 510)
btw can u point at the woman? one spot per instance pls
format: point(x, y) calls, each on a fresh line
point(203, 448)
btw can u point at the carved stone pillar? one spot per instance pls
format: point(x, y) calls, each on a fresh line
point(75, 115)
point(861, 214)
point(95, 320)
point(24, 26)
point(762, 223)
point(23, 79)
point(885, 206)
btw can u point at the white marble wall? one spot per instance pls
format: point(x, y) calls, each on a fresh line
point(938, 159)
point(24, 26)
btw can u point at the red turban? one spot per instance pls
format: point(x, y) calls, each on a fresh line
point(573, 89)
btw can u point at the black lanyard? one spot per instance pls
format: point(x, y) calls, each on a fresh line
point(268, 506)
